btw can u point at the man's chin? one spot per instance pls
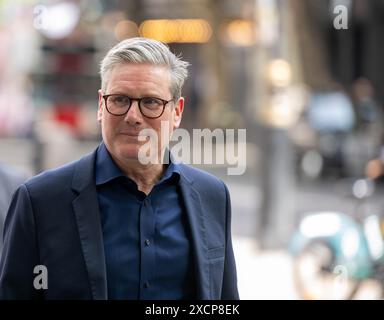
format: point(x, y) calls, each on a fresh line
point(126, 152)
point(131, 153)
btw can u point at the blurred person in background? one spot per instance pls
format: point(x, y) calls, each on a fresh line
point(109, 227)
point(366, 140)
point(10, 179)
point(367, 110)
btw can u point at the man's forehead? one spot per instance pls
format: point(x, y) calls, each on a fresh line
point(135, 71)
point(149, 79)
point(135, 66)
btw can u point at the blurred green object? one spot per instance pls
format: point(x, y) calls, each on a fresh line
point(334, 252)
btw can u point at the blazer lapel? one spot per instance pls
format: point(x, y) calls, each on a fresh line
point(86, 209)
point(195, 214)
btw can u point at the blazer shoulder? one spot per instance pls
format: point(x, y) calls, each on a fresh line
point(202, 179)
point(60, 177)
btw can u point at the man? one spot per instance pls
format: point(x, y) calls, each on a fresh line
point(108, 226)
point(10, 179)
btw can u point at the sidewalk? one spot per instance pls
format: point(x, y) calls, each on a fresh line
point(262, 275)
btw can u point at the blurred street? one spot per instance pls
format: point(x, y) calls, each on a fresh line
point(263, 274)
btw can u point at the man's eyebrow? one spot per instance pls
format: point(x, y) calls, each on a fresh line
point(121, 92)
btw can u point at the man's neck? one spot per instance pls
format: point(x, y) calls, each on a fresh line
point(145, 176)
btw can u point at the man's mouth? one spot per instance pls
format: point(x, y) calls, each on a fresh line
point(130, 133)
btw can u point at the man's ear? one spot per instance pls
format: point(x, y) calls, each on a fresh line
point(179, 108)
point(100, 109)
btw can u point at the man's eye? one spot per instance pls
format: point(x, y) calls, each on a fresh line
point(151, 102)
point(120, 99)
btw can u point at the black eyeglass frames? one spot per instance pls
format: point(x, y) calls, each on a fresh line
point(150, 107)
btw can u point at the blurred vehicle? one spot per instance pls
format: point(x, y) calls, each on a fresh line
point(336, 136)
point(322, 133)
point(335, 253)
point(332, 117)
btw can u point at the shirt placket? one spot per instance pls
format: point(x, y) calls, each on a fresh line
point(147, 249)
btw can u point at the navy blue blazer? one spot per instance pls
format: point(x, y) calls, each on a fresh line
point(54, 221)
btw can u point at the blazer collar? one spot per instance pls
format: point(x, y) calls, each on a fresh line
point(196, 219)
point(87, 213)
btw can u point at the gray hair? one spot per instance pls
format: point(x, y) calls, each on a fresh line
point(143, 50)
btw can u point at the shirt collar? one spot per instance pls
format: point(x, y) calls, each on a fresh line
point(107, 170)
point(172, 173)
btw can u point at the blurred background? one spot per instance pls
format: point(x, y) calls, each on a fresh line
point(303, 77)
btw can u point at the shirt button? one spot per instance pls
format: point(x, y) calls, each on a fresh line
point(147, 242)
point(146, 284)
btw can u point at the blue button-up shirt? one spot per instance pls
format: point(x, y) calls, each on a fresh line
point(146, 237)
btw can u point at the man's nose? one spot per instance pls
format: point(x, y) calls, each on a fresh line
point(134, 116)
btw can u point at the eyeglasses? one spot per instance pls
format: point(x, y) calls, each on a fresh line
point(118, 105)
